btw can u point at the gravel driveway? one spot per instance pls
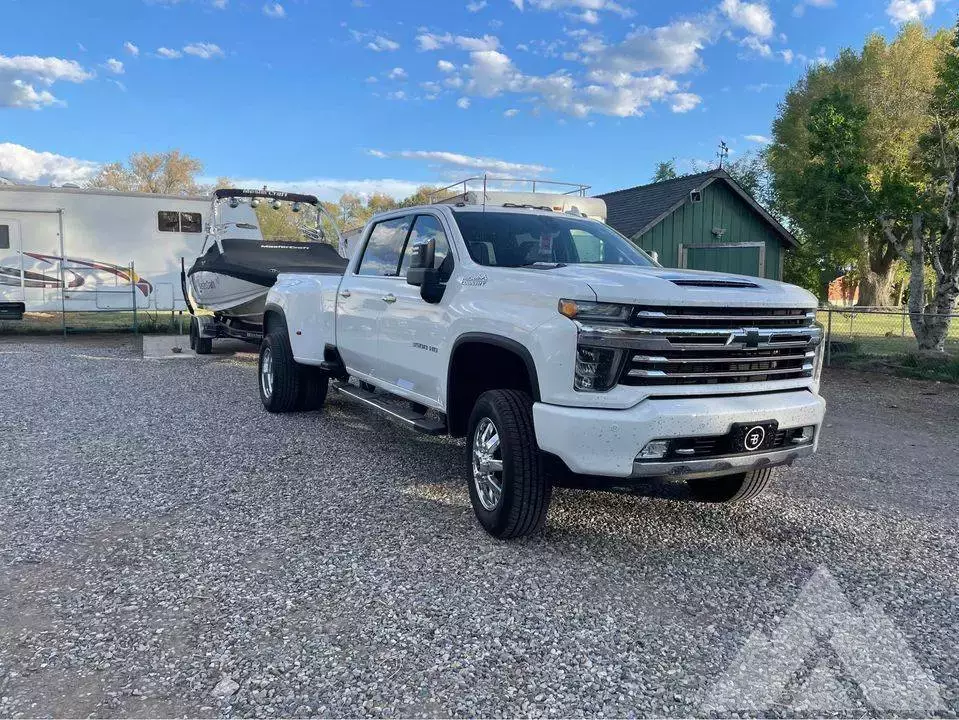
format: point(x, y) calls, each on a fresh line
point(168, 548)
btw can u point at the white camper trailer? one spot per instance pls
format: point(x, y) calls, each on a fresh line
point(70, 249)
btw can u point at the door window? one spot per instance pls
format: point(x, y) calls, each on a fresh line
point(426, 228)
point(384, 248)
point(4, 237)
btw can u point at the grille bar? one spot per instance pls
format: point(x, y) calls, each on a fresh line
point(713, 374)
point(655, 359)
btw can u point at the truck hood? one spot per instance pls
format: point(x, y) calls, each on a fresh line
point(666, 286)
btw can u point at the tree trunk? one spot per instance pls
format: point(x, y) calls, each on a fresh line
point(876, 273)
point(929, 321)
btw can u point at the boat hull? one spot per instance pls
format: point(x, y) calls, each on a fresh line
point(229, 296)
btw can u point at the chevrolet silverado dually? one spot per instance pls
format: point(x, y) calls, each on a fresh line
point(559, 349)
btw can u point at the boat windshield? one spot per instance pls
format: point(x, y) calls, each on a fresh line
point(273, 220)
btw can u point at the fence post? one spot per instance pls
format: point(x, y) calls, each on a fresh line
point(133, 285)
point(829, 339)
point(903, 333)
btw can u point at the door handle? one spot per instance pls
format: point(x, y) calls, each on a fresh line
point(391, 298)
point(345, 293)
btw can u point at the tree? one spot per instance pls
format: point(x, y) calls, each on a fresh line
point(168, 173)
point(921, 212)
point(879, 98)
point(665, 170)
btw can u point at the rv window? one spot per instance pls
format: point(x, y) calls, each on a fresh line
point(4, 237)
point(191, 222)
point(168, 221)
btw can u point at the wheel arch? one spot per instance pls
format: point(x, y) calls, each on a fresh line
point(273, 317)
point(493, 362)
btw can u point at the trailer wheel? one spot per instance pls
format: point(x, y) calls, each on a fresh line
point(314, 384)
point(730, 488)
point(509, 487)
point(278, 373)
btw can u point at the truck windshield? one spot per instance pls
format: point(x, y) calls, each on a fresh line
point(512, 239)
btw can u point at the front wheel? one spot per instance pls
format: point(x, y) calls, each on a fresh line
point(730, 488)
point(509, 487)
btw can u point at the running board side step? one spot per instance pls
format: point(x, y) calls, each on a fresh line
point(421, 423)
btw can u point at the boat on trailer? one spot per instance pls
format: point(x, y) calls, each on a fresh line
point(252, 237)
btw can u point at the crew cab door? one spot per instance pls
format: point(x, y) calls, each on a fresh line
point(413, 331)
point(366, 292)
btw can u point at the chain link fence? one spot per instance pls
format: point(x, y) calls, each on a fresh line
point(875, 332)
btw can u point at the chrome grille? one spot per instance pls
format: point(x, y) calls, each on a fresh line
point(698, 346)
point(711, 346)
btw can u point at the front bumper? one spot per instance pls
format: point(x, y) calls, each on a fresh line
point(606, 442)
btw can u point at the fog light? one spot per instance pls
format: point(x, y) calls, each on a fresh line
point(805, 435)
point(656, 450)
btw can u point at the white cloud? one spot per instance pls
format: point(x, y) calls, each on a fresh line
point(114, 66)
point(169, 53)
point(382, 44)
point(397, 95)
point(444, 160)
point(902, 11)
point(475, 44)
point(220, 4)
point(761, 139)
point(397, 73)
point(787, 55)
point(20, 76)
point(511, 113)
point(673, 48)
point(684, 102)
point(463, 103)
point(445, 66)
point(372, 79)
point(754, 17)
point(579, 8)
point(476, 6)
point(756, 45)
point(427, 41)
point(800, 8)
point(25, 166)
point(274, 10)
point(205, 51)
point(518, 4)
point(131, 48)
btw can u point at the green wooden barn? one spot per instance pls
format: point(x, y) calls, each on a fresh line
point(702, 222)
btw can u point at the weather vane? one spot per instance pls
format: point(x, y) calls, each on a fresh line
point(723, 152)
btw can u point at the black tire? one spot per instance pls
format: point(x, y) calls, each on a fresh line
point(314, 384)
point(730, 488)
point(284, 389)
point(194, 332)
point(204, 346)
point(526, 488)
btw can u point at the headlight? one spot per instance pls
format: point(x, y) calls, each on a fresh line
point(586, 310)
point(820, 353)
point(597, 369)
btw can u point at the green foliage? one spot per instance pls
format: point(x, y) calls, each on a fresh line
point(665, 170)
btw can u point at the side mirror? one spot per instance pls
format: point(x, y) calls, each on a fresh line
point(655, 256)
point(423, 274)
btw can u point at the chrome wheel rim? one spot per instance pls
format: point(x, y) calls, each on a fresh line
point(487, 464)
point(266, 372)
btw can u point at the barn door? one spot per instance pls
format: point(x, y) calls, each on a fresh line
point(737, 258)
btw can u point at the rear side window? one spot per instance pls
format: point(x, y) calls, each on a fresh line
point(382, 254)
point(426, 228)
point(4, 237)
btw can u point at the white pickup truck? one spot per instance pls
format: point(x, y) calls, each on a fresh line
point(561, 351)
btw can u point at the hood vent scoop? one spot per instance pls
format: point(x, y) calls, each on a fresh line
point(706, 283)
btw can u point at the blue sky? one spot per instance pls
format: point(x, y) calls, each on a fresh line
point(365, 95)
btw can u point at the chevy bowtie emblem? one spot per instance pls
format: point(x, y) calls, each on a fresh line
point(749, 337)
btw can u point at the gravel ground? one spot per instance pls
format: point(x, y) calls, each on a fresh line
point(167, 548)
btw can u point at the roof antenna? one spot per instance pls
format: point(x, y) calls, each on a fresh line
point(723, 153)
